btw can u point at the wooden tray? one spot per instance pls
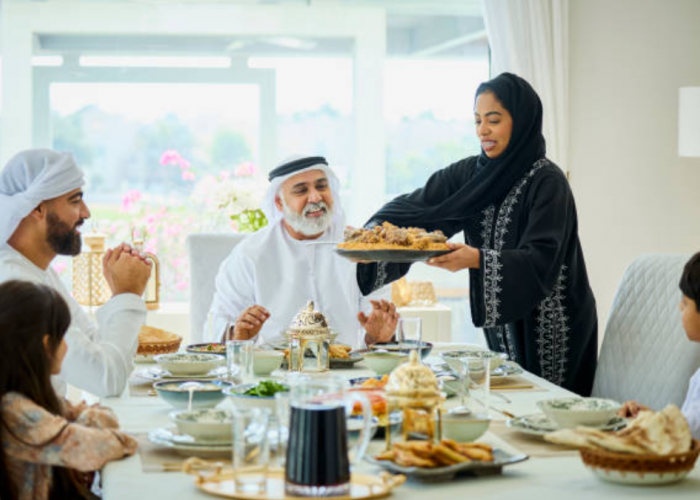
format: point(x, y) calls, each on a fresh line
point(363, 486)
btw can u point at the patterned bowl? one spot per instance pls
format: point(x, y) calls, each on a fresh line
point(188, 364)
point(452, 358)
point(572, 412)
point(207, 395)
point(207, 424)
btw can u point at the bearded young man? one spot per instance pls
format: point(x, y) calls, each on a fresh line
point(272, 273)
point(41, 211)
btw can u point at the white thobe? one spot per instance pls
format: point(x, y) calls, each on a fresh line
point(100, 356)
point(274, 270)
point(691, 406)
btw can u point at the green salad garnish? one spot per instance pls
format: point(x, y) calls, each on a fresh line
point(266, 389)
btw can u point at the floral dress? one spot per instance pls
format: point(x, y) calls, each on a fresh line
point(84, 438)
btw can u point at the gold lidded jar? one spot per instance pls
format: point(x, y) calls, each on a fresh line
point(413, 389)
point(309, 332)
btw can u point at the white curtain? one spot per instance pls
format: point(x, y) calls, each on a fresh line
point(530, 38)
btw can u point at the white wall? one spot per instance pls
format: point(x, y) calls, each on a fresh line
point(628, 59)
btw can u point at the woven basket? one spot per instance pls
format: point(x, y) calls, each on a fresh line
point(642, 464)
point(159, 342)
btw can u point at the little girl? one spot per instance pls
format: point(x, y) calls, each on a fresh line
point(49, 447)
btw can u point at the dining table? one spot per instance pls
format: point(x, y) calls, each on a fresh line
point(541, 476)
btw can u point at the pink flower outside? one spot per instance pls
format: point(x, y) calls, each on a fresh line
point(173, 230)
point(170, 157)
point(187, 175)
point(181, 285)
point(130, 198)
point(245, 169)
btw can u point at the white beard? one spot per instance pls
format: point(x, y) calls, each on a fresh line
point(308, 226)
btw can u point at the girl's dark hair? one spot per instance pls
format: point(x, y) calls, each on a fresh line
point(690, 280)
point(28, 313)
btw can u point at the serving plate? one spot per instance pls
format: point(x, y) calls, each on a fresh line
point(167, 437)
point(537, 424)
point(395, 256)
point(207, 348)
point(439, 474)
point(155, 373)
point(333, 363)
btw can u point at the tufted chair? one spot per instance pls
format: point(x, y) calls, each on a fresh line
point(206, 252)
point(646, 355)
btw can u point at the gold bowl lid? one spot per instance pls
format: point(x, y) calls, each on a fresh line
point(413, 380)
point(309, 321)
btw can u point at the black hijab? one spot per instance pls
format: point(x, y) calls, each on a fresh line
point(489, 180)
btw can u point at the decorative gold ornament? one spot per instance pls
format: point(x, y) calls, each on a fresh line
point(310, 332)
point(89, 285)
point(413, 389)
point(151, 296)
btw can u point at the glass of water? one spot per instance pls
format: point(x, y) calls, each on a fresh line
point(408, 334)
point(239, 358)
point(251, 450)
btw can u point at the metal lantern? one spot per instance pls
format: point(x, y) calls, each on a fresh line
point(89, 285)
point(413, 389)
point(151, 296)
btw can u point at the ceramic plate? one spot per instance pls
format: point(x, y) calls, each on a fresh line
point(398, 256)
point(207, 348)
point(166, 437)
point(156, 373)
point(538, 424)
point(504, 372)
point(438, 474)
point(173, 435)
point(334, 363)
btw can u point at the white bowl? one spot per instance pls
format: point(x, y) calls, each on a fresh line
point(265, 362)
point(204, 425)
point(242, 401)
point(464, 429)
point(452, 358)
point(575, 411)
point(382, 363)
point(188, 364)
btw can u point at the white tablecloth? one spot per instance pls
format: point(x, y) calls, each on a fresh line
point(535, 479)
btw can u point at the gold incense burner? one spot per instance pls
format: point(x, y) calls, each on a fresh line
point(413, 389)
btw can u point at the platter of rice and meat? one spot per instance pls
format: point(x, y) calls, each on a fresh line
point(389, 243)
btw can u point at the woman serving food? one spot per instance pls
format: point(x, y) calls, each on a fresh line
point(528, 284)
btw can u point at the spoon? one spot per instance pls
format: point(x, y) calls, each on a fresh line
point(191, 387)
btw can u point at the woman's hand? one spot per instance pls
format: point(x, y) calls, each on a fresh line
point(461, 257)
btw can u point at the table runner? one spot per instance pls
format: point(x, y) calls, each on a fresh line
point(535, 446)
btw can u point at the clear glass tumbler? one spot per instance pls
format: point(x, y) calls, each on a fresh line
point(251, 450)
point(239, 358)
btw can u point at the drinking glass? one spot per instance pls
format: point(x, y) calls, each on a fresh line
point(408, 334)
point(251, 450)
point(282, 431)
point(239, 357)
point(477, 378)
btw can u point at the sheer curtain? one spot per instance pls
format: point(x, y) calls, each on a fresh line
point(530, 38)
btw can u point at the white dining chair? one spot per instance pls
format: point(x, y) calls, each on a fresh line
point(206, 252)
point(646, 355)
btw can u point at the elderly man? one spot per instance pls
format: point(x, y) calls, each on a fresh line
point(41, 209)
point(269, 276)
